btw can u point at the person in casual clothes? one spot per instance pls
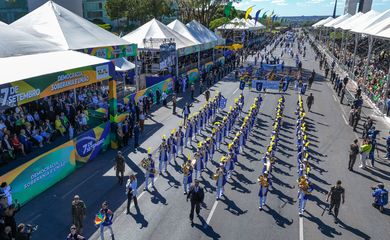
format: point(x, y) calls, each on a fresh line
point(388, 147)
point(310, 101)
point(73, 235)
point(196, 195)
point(336, 195)
point(119, 167)
point(108, 215)
point(131, 191)
point(353, 152)
point(365, 149)
point(136, 135)
point(78, 213)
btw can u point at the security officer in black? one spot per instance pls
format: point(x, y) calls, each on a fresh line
point(196, 195)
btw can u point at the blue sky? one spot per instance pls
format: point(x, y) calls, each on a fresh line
point(304, 7)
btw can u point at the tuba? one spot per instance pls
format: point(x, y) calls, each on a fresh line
point(303, 184)
point(263, 181)
point(186, 167)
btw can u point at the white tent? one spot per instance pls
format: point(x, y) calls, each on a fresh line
point(202, 33)
point(122, 65)
point(337, 20)
point(323, 21)
point(371, 22)
point(379, 27)
point(383, 34)
point(233, 26)
point(256, 24)
point(181, 28)
point(154, 29)
point(35, 65)
point(56, 24)
point(1, 23)
point(14, 42)
point(349, 20)
point(360, 20)
point(251, 24)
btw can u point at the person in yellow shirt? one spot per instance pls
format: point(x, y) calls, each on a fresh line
point(365, 149)
point(58, 125)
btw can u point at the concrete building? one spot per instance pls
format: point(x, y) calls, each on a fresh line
point(365, 6)
point(95, 10)
point(354, 6)
point(12, 10)
point(76, 6)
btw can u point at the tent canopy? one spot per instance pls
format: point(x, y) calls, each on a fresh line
point(323, 21)
point(29, 66)
point(122, 65)
point(349, 20)
point(181, 28)
point(381, 29)
point(360, 20)
point(56, 24)
point(155, 29)
point(14, 42)
point(257, 24)
point(202, 33)
point(383, 34)
point(337, 20)
point(375, 19)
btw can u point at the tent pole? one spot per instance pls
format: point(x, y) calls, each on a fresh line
point(124, 82)
point(334, 43)
point(177, 66)
point(199, 60)
point(342, 44)
point(345, 45)
point(75, 96)
point(354, 56)
point(136, 74)
point(370, 43)
point(388, 79)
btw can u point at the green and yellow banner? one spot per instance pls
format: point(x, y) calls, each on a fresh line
point(40, 173)
point(24, 91)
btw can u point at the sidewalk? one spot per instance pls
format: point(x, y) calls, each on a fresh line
point(352, 85)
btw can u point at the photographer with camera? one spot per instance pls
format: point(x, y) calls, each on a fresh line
point(24, 231)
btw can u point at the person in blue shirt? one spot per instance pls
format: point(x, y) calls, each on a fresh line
point(381, 197)
point(388, 147)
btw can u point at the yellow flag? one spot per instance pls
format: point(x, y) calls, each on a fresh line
point(248, 12)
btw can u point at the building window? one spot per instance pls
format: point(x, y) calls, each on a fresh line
point(92, 15)
point(100, 6)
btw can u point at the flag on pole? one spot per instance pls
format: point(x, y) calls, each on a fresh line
point(228, 9)
point(257, 16)
point(248, 12)
point(264, 15)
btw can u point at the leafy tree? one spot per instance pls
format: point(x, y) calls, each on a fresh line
point(201, 10)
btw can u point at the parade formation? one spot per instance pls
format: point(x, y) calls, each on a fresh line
point(259, 141)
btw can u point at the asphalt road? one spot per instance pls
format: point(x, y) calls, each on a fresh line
point(164, 212)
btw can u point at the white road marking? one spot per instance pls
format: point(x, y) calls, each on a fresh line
point(334, 97)
point(345, 120)
point(142, 193)
point(35, 218)
point(212, 212)
point(300, 228)
point(78, 185)
point(235, 91)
